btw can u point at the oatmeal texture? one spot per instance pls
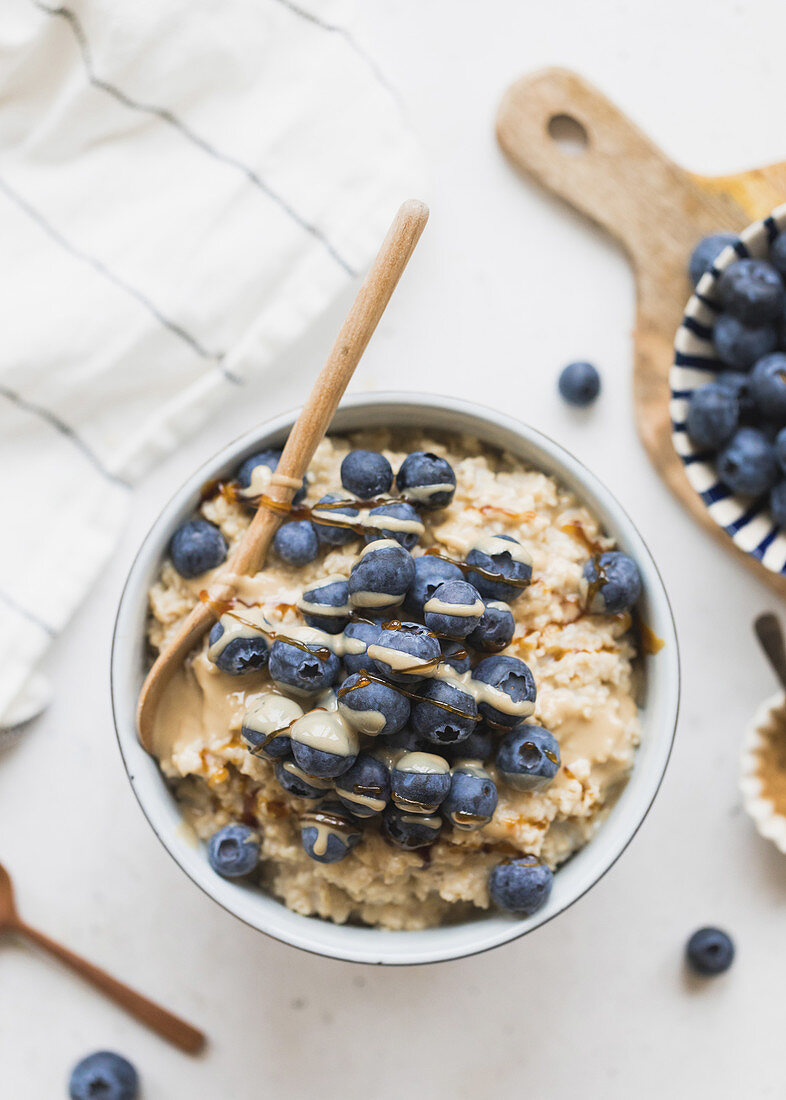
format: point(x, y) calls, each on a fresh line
point(582, 666)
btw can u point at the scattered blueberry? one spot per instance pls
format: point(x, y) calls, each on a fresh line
point(426, 479)
point(296, 542)
point(265, 460)
point(740, 346)
point(323, 744)
point(512, 678)
point(365, 788)
point(613, 583)
point(579, 384)
point(478, 746)
point(401, 651)
point(196, 547)
point(236, 655)
point(233, 851)
point(521, 885)
point(325, 605)
point(435, 722)
point(419, 782)
point(747, 464)
point(295, 781)
point(713, 415)
point(710, 951)
point(328, 833)
point(270, 713)
point(329, 507)
point(308, 670)
point(380, 577)
point(430, 573)
point(103, 1075)
point(495, 629)
point(751, 290)
point(407, 740)
point(361, 633)
point(366, 474)
point(505, 558)
point(768, 386)
point(778, 504)
point(706, 253)
point(371, 707)
point(528, 757)
point(472, 798)
point(456, 655)
point(410, 831)
point(455, 609)
point(406, 525)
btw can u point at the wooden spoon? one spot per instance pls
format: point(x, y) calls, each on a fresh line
point(158, 1019)
point(770, 635)
point(306, 434)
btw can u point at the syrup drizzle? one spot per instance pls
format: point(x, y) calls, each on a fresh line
point(487, 574)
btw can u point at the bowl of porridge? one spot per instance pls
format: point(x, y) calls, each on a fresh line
point(436, 717)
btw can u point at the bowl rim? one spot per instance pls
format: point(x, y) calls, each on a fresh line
point(550, 450)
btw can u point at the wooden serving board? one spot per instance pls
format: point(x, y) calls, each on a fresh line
point(657, 211)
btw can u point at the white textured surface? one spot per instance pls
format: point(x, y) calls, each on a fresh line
point(597, 1001)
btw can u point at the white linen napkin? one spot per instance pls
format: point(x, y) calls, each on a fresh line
point(184, 186)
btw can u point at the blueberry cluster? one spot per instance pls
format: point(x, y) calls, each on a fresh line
point(393, 699)
point(740, 417)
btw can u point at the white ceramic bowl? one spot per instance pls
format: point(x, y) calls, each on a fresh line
point(367, 944)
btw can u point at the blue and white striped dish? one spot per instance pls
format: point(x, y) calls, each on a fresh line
point(748, 522)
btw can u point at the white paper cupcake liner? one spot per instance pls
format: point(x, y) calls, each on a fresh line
point(768, 821)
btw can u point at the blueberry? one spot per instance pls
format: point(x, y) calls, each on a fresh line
point(521, 885)
point(778, 504)
point(780, 449)
point(105, 1075)
point(406, 740)
point(396, 520)
point(410, 831)
point(234, 648)
point(365, 788)
point(612, 581)
point(738, 345)
point(478, 746)
point(713, 416)
point(738, 382)
point(706, 253)
point(747, 464)
point(366, 474)
point(528, 757)
point(455, 609)
point(768, 387)
point(430, 573)
point(381, 576)
point(371, 707)
point(403, 650)
point(495, 629)
point(328, 833)
point(426, 479)
point(356, 634)
point(331, 507)
point(710, 951)
point(435, 722)
point(778, 253)
point(751, 290)
point(325, 605)
point(296, 543)
point(579, 384)
point(503, 560)
point(472, 798)
point(419, 782)
point(456, 656)
point(295, 781)
point(233, 851)
point(196, 547)
point(323, 744)
point(512, 689)
point(255, 473)
point(308, 670)
point(265, 717)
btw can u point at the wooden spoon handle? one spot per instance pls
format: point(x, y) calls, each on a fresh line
point(620, 179)
point(770, 635)
point(169, 1027)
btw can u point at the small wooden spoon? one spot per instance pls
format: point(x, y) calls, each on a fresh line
point(306, 434)
point(770, 635)
point(158, 1019)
